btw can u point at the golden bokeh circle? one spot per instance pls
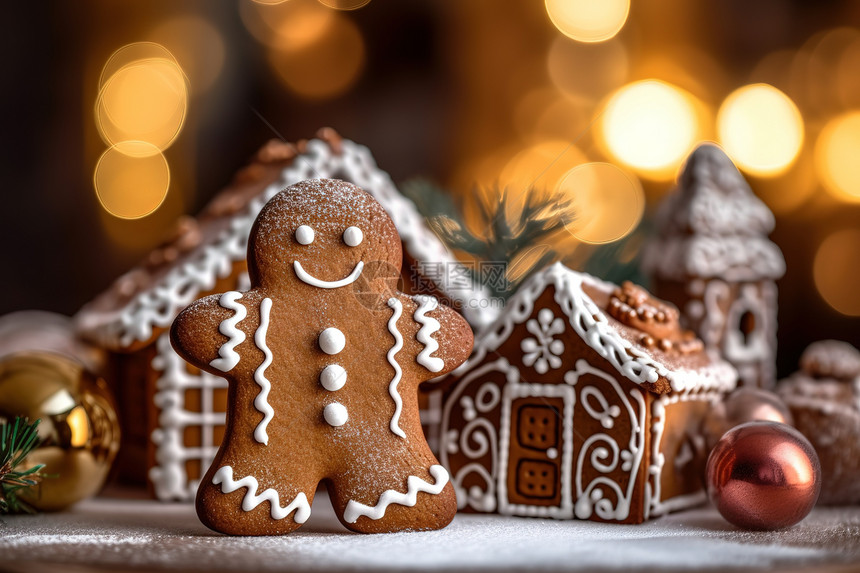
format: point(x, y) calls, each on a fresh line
point(345, 4)
point(326, 68)
point(837, 271)
point(197, 45)
point(131, 179)
point(287, 26)
point(836, 154)
point(650, 126)
point(761, 129)
point(608, 202)
point(588, 20)
point(144, 100)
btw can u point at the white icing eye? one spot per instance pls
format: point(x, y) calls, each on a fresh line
point(335, 414)
point(305, 235)
point(332, 340)
point(353, 236)
point(333, 377)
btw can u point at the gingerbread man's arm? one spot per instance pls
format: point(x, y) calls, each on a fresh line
point(436, 336)
point(208, 332)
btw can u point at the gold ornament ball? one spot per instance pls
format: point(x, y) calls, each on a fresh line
point(79, 428)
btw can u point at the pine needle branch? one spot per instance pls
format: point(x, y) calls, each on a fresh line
point(17, 440)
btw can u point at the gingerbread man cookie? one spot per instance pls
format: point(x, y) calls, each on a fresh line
point(323, 383)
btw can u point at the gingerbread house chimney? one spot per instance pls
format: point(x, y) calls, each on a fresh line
point(713, 259)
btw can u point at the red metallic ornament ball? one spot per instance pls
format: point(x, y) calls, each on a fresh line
point(763, 475)
point(744, 405)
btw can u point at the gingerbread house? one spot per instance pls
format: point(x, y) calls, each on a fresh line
point(713, 259)
point(174, 414)
point(583, 400)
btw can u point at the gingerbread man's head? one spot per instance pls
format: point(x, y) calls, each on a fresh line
point(321, 233)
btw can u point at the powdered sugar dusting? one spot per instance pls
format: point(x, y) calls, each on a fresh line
point(120, 534)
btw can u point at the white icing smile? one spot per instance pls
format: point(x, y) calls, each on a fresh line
point(313, 281)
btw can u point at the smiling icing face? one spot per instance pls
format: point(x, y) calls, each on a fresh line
point(326, 232)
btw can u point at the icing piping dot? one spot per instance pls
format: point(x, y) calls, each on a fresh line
point(333, 377)
point(353, 236)
point(304, 235)
point(332, 340)
point(335, 414)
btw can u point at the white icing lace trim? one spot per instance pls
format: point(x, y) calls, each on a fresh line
point(591, 324)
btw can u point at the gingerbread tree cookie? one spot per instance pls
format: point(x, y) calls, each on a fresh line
point(324, 359)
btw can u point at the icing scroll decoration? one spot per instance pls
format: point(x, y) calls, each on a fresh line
point(224, 478)
point(414, 485)
point(429, 326)
point(261, 402)
point(228, 357)
point(603, 453)
point(477, 439)
point(392, 387)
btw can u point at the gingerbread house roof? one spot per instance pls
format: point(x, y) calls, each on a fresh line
point(144, 301)
point(713, 225)
point(584, 300)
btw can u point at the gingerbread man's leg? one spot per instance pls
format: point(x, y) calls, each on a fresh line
point(408, 493)
point(268, 498)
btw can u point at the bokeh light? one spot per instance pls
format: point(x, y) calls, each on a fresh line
point(325, 68)
point(198, 47)
point(607, 202)
point(587, 71)
point(793, 189)
point(131, 179)
point(542, 166)
point(837, 151)
point(650, 126)
point(287, 26)
point(588, 20)
point(837, 271)
point(345, 4)
point(761, 129)
point(142, 100)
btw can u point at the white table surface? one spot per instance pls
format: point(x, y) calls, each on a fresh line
point(106, 534)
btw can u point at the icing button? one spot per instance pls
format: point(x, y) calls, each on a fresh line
point(335, 414)
point(304, 235)
point(332, 341)
point(353, 236)
point(333, 377)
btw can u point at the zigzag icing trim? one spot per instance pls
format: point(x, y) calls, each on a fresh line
point(429, 326)
point(392, 387)
point(224, 478)
point(354, 510)
point(261, 402)
point(591, 324)
point(229, 358)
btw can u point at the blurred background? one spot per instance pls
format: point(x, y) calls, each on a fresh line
point(602, 100)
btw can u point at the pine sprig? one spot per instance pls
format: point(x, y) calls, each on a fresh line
point(17, 440)
point(510, 231)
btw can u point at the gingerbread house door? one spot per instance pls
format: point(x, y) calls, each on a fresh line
point(536, 451)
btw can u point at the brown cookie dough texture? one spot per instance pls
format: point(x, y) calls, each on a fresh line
point(323, 361)
point(824, 398)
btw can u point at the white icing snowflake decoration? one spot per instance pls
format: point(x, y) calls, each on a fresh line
point(542, 351)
